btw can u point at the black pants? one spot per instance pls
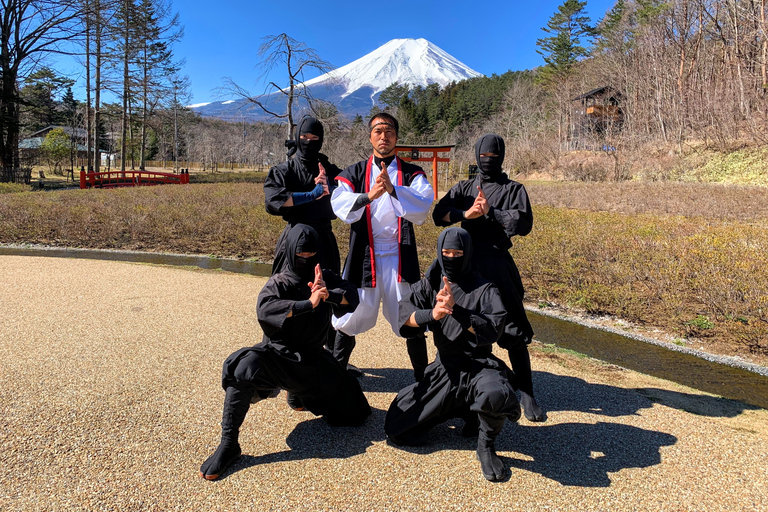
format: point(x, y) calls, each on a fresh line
point(484, 389)
point(322, 384)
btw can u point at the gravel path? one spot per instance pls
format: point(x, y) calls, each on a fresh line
point(111, 399)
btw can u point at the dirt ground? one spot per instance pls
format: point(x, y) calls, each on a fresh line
point(110, 397)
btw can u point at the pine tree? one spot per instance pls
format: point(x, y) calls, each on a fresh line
point(39, 99)
point(564, 47)
point(158, 28)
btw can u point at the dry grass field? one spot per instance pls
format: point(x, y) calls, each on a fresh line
point(689, 259)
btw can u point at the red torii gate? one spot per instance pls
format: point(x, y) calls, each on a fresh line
point(416, 150)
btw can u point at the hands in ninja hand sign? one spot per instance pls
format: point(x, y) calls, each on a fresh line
point(383, 177)
point(322, 179)
point(479, 207)
point(444, 302)
point(319, 291)
point(381, 185)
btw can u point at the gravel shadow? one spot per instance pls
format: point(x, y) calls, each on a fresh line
point(316, 439)
point(561, 393)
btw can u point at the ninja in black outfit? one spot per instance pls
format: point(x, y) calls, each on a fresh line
point(465, 313)
point(294, 318)
point(291, 190)
point(505, 213)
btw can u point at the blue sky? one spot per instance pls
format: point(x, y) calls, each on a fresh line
point(222, 36)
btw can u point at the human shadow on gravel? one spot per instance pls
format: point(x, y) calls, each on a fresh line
point(582, 455)
point(561, 393)
point(574, 454)
point(386, 380)
point(316, 439)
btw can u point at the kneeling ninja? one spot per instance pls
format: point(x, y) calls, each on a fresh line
point(466, 316)
point(295, 319)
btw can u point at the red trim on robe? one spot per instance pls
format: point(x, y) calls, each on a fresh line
point(345, 180)
point(399, 227)
point(367, 188)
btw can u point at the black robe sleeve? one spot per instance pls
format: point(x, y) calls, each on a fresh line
point(488, 321)
point(276, 192)
point(421, 296)
point(453, 204)
point(483, 311)
point(339, 289)
point(271, 309)
point(515, 214)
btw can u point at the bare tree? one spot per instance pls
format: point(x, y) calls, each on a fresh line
point(29, 31)
point(297, 58)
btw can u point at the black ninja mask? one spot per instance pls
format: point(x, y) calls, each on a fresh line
point(490, 166)
point(309, 149)
point(302, 238)
point(457, 268)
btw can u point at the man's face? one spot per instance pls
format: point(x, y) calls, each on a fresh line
point(383, 138)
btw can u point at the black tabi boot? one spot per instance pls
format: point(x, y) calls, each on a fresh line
point(295, 402)
point(236, 404)
point(417, 351)
point(342, 351)
point(490, 463)
point(521, 365)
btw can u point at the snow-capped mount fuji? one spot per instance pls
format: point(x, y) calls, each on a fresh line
point(355, 87)
point(407, 61)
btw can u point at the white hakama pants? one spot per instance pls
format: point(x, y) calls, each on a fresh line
point(387, 290)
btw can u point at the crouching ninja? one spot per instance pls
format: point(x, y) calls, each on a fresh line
point(466, 316)
point(294, 310)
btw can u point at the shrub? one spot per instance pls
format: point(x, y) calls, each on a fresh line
point(13, 188)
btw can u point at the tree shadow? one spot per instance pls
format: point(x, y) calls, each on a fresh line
point(560, 393)
point(317, 439)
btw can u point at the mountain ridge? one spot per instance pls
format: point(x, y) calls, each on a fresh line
point(355, 87)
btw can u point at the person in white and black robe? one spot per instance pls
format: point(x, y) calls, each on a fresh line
point(294, 310)
point(298, 190)
point(381, 198)
point(465, 314)
point(493, 209)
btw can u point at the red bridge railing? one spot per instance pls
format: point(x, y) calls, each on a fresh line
point(113, 179)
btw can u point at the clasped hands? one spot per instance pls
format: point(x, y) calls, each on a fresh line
point(381, 185)
point(479, 207)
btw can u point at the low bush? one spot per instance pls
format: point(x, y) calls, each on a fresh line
point(13, 188)
point(653, 270)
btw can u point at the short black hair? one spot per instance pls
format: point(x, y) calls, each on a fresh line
point(387, 117)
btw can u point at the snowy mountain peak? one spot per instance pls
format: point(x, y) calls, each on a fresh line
point(407, 61)
point(355, 88)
